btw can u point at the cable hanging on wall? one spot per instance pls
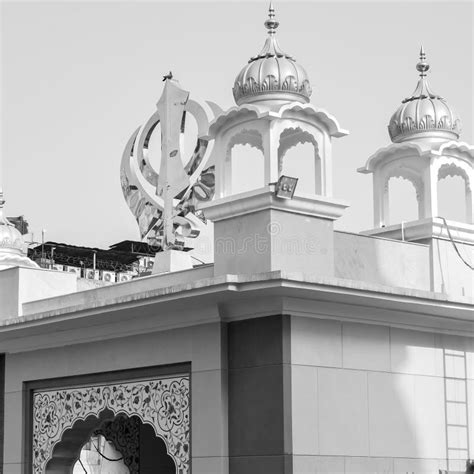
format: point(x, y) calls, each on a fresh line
point(104, 456)
point(455, 246)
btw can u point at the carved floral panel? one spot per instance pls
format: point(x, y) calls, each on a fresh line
point(163, 403)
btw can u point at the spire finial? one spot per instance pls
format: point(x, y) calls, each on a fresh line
point(422, 67)
point(271, 24)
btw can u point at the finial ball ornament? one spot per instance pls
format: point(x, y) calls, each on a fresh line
point(422, 66)
point(271, 24)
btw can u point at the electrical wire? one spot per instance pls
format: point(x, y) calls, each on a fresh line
point(455, 246)
point(200, 261)
point(104, 456)
point(80, 462)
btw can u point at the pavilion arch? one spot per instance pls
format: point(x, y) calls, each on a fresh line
point(292, 137)
point(272, 125)
point(246, 136)
point(428, 163)
point(417, 201)
point(383, 195)
point(236, 164)
point(459, 169)
point(63, 419)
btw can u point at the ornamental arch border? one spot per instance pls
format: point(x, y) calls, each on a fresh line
point(176, 434)
point(293, 135)
point(452, 168)
point(246, 134)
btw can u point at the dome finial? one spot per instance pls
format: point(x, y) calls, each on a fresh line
point(422, 67)
point(271, 24)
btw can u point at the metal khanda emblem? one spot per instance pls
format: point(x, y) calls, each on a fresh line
point(164, 203)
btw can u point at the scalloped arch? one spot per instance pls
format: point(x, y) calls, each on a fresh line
point(454, 169)
point(417, 186)
point(123, 431)
point(246, 136)
point(67, 450)
point(299, 137)
point(407, 175)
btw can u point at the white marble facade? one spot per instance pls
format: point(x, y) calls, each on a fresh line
point(371, 398)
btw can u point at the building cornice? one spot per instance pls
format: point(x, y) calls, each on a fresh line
point(92, 317)
point(257, 200)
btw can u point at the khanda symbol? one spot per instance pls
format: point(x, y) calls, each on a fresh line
point(164, 203)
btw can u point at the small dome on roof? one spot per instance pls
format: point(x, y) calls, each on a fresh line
point(424, 114)
point(272, 74)
point(11, 243)
point(11, 239)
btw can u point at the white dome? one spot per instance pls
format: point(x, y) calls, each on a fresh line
point(11, 240)
point(272, 74)
point(424, 114)
point(11, 244)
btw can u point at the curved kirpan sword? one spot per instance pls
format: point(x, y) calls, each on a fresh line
point(164, 203)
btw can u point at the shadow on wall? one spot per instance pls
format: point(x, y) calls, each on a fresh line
point(388, 400)
point(429, 403)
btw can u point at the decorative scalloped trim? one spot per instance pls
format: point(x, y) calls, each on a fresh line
point(304, 137)
point(255, 112)
point(427, 123)
point(287, 84)
point(405, 174)
point(452, 169)
point(455, 145)
point(420, 149)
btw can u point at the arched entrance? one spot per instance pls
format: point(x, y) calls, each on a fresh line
point(152, 413)
point(121, 444)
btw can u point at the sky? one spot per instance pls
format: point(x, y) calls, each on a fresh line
point(77, 78)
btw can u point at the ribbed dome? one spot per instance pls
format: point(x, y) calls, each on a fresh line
point(272, 74)
point(11, 239)
point(11, 243)
point(424, 114)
